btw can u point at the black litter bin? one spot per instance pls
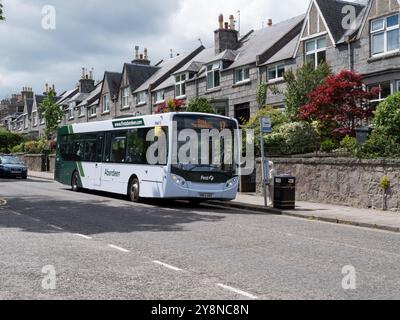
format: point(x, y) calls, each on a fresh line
point(285, 192)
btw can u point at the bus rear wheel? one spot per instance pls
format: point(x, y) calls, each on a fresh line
point(75, 182)
point(134, 190)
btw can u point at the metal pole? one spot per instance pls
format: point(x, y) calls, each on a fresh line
point(264, 174)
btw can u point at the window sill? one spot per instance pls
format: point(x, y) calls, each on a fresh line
point(81, 116)
point(209, 91)
point(92, 116)
point(141, 104)
point(384, 56)
point(181, 97)
point(125, 108)
point(105, 113)
point(276, 81)
point(159, 102)
point(241, 83)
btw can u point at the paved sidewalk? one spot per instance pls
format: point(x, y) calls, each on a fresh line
point(377, 219)
point(41, 175)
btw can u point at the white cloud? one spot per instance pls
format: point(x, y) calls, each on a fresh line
point(102, 34)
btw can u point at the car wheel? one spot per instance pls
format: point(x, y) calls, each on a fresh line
point(24, 177)
point(134, 190)
point(75, 182)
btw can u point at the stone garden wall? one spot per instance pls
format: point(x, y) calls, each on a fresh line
point(38, 162)
point(344, 181)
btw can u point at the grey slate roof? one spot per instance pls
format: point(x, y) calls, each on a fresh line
point(113, 80)
point(29, 105)
point(93, 95)
point(332, 12)
point(66, 95)
point(137, 74)
point(285, 53)
point(164, 68)
point(261, 40)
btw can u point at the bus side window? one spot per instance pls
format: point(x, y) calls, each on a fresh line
point(99, 150)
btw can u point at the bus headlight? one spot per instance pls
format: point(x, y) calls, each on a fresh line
point(178, 180)
point(231, 183)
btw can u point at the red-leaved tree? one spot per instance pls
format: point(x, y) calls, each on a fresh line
point(339, 103)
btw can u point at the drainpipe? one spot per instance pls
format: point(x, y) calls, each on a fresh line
point(349, 53)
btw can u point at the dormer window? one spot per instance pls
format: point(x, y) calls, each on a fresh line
point(385, 35)
point(180, 85)
point(213, 75)
point(242, 75)
point(315, 51)
point(276, 72)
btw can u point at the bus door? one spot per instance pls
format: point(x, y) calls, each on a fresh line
point(99, 159)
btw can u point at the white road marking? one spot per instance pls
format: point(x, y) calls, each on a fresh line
point(167, 265)
point(118, 248)
point(248, 295)
point(83, 236)
point(55, 227)
point(35, 219)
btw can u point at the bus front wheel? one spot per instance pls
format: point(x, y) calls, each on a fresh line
point(133, 190)
point(75, 182)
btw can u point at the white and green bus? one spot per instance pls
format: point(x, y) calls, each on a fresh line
point(154, 156)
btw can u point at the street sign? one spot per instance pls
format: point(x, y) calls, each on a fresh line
point(265, 123)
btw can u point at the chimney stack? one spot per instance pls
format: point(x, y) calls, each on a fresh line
point(226, 37)
point(269, 23)
point(142, 58)
point(86, 84)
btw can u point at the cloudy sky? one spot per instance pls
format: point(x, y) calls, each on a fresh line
point(101, 34)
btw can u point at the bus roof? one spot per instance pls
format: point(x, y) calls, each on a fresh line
point(162, 119)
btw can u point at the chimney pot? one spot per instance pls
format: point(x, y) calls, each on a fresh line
point(226, 25)
point(221, 21)
point(136, 52)
point(269, 23)
point(145, 53)
point(232, 22)
point(141, 56)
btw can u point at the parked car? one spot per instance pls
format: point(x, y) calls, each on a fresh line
point(12, 167)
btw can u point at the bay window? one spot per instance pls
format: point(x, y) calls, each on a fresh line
point(385, 35)
point(71, 110)
point(213, 75)
point(180, 85)
point(34, 118)
point(315, 51)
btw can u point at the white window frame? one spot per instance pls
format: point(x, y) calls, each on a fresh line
point(71, 113)
point(159, 96)
point(91, 113)
point(105, 103)
point(140, 98)
point(34, 118)
point(26, 124)
point(81, 111)
point(384, 30)
point(180, 85)
point(315, 51)
point(212, 69)
point(42, 120)
point(242, 72)
point(398, 85)
point(125, 98)
point(275, 68)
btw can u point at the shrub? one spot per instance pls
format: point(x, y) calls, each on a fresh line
point(8, 140)
point(349, 144)
point(18, 148)
point(278, 118)
point(292, 138)
point(328, 145)
point(36, 147)
point(200, 105)
point(387, 117)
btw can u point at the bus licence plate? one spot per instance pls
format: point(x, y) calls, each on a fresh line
point(206, 195)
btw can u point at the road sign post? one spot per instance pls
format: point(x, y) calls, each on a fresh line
point(265, 127)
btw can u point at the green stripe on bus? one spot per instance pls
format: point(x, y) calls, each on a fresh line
point(80, 168)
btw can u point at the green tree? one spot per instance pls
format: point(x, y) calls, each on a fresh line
point(300, 83)
point(52, 113)
point(1, 12)
point(387, 117)
point(200, 105)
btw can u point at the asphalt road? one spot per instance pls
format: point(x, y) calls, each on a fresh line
point(101, 246)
